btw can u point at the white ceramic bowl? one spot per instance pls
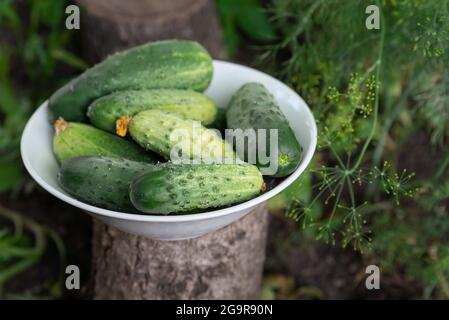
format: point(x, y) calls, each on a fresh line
point(37, 155)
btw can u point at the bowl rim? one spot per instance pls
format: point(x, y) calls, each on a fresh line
point(177, 218)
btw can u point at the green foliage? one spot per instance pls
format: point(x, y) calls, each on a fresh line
point(23, 247)
point(247, 17)
point(28, 67)
point(34, 53)
point(369, 89)
point(434, 106)
point(299, 190)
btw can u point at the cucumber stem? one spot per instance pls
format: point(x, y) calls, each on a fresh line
point(121, 125)
point(60, 125)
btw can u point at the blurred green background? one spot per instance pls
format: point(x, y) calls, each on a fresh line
point(376, 193)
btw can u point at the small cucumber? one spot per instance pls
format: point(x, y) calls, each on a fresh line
point(220, 121)
point(101, 181)
point(175, 64)
point(253, 107)
point(186, 188)
point(105, 111)
point(77, 139)
point(165, 132)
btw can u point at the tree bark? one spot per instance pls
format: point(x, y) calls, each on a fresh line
point(225, 264)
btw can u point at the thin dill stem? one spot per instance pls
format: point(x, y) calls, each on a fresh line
point(352, 197)
point(316, 198)
point(375, 207)
point(351, 191)
point(376, 103)
point(330, 180)
point(300, 27)
point(378, 151)
point(348, 160)
point(444, 164)
point(331, 187)
point(391, 117)
point(337, 200)
point(370, 69)
point(356, 45)
point(334, 152)
point(388, 123)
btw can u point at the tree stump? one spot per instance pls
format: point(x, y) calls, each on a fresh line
point(225, 264)
point(112, 25)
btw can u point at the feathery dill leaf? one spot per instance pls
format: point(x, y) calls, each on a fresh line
point(368, 89)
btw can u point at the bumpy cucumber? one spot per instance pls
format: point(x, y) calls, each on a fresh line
point(176, 64)
point(105, 111)
point(157, 130)
point(186, 188)
point(101, 181)
point(220, 121)
point(77, 139)
point(253, 107)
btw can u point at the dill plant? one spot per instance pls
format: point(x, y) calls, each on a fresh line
point(369, 90)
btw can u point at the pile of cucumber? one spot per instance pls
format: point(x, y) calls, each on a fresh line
point(114, 126)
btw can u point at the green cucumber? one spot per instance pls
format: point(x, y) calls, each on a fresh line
point(253, 107)
point(157, 130)
point(74, 139)
point(220, 121)
point(186, 188)
point(105, 111)
point(101, 181)
point(177, 64)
